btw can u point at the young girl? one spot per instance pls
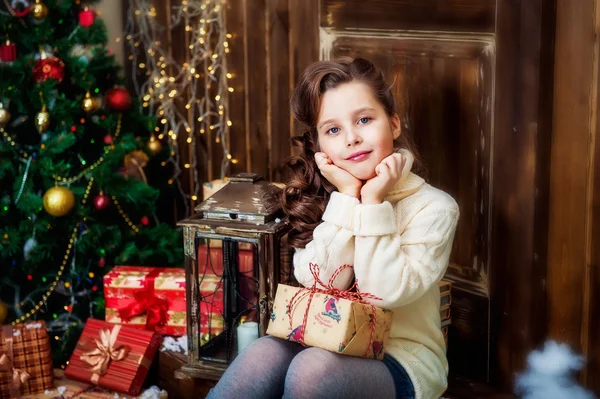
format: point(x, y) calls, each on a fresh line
point(353, 199)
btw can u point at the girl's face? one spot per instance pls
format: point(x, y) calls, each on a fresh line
point(354, 130)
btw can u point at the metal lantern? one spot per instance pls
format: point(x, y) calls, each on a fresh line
point(235, 256)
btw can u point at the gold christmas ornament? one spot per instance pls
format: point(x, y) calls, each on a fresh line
point(134, 164)
point(4, 115)
point(3, 312)
point(154, 145)
point(58, 201)
point(42, 120)
point(89, 104)
point(39, 10)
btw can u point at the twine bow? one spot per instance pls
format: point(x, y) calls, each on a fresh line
point(352, 294)
point(106, 351)
point(147, 302)
point(19, 377)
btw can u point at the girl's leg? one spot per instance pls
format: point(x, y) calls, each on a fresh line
point(258, 372)
point(316, 373)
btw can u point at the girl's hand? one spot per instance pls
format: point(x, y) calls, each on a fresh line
point(388, 172)
point(341, 179)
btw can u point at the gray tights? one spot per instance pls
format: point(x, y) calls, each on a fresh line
point(274, 368)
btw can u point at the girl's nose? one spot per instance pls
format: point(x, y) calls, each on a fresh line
point(352, 138)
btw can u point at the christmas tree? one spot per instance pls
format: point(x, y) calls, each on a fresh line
point(80, 171)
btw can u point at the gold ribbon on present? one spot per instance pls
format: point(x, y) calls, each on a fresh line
point(19, 377)
point(106, 351)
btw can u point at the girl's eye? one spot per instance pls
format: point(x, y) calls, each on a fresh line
point(333, 130)
point(364, 120)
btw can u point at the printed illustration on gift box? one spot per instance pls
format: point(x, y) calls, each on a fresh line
point(149, 298)
point(339, 321)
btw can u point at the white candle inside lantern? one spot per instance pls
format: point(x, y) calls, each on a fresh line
point(246, 334)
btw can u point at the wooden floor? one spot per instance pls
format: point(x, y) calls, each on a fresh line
point(463, 388)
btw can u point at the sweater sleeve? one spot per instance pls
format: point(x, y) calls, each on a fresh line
point(332, 245)
point(400, 268)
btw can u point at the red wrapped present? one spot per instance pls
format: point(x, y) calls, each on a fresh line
point(210, 270)
point(25, 359)
point(213, 264)
point(147, 297)
point(113, 356)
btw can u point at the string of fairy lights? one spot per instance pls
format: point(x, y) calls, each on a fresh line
point(191, 98)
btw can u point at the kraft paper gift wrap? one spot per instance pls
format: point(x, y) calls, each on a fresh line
point(333, 323)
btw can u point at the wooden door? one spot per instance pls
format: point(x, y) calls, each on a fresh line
point(444, 88)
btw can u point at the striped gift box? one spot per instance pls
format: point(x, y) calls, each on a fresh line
point(116, 357)
point(25, 352)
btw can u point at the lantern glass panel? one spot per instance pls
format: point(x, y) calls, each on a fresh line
point(228, 280)
point(229, 296)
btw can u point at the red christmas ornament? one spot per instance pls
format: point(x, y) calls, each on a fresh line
point(48, 67)
point(19, 8)
point(101, 201)
point(101, 262)
point(86, 17)
point(118, 99)
point(8, 52)
point(145, 221)
point(108, 139)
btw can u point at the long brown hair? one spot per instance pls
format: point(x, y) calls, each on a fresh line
point(307, 192)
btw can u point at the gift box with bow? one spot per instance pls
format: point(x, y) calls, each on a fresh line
point(25, 359)
point(341, 321)
point(116, 357)
point(146, 297)
point(154, 299)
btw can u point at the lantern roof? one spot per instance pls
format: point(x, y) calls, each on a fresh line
point(247, 198)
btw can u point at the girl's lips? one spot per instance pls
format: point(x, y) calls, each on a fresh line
point(359, 156)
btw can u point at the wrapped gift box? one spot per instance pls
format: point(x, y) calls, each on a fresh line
point(213, 264)
point(146, 297)
point(116, 357)
point(25, 350)
point(210, 270)
point(336, 324)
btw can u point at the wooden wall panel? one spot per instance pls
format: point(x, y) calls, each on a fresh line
point(573, 283)
point(256, 85)
point(278, 85)
point(269, 48)
point(593, 344)
point(517, 288)
point(236, 64)
point(421, 15)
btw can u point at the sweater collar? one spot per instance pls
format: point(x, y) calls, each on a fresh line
point(409, 183)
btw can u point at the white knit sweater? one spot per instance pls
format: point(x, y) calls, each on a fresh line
point(400, 250)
